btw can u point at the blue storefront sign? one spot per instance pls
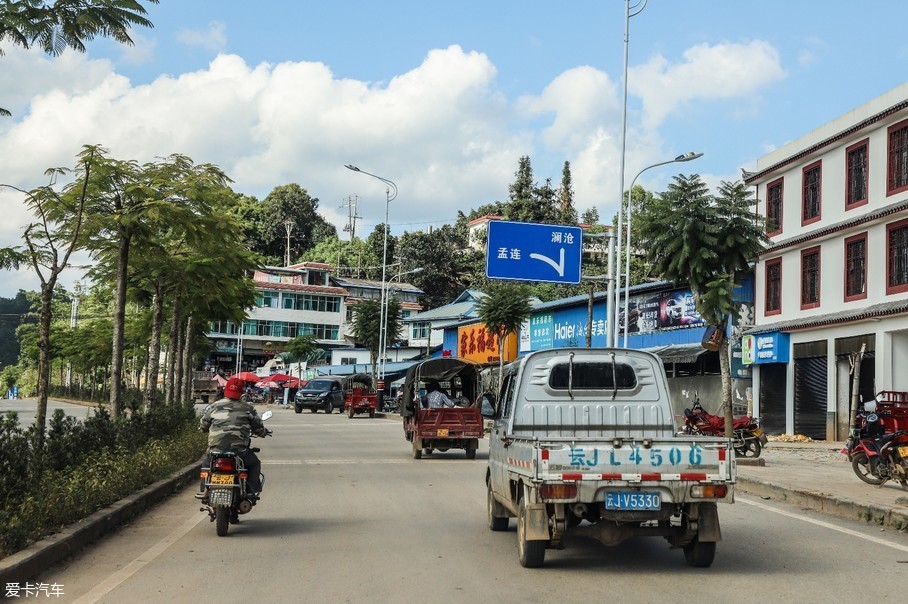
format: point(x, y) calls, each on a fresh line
point(542, 331)
point(765, 348)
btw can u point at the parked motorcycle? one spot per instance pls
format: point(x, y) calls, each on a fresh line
point(224, 487)
point(748, 438)
point(877, 457)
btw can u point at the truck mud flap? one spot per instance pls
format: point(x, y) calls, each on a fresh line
point(708, 524)
point(537, 523)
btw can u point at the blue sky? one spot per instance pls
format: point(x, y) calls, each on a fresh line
point(444, 98)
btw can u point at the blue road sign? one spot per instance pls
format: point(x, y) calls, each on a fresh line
point(527, 251)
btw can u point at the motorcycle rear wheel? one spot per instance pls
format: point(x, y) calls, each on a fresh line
point(751, 447)
point(860, 463)
point(222, 520)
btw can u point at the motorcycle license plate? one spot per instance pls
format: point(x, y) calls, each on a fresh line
point(221, 479)
point(903, 451)
point(638, 500)
point(442, 432)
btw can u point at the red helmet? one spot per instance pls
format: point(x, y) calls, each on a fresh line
point(234, 388)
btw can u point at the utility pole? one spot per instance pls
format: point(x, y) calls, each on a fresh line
point(288, 225)
point(352, 216)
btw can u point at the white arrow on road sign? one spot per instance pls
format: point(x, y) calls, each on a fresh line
point(558, 266)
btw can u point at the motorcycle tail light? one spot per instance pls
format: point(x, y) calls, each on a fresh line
point(223, 464)
point(558, 491)
point(709, 491)
point(203, 474)
point(244, 475)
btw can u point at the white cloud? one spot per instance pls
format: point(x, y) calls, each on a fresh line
point(721, 71)
point(141, 52)
point(214, 38)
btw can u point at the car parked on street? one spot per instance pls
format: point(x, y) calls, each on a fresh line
point(325, 393)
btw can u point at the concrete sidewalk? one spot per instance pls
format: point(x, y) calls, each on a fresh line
point(817, 476)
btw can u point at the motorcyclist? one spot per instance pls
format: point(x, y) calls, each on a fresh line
point(229, 423)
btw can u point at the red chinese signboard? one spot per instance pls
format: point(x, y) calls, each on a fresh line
point(476, 343)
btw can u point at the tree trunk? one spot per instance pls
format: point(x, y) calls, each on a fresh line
point(119, 320)
point(187, 362)
point(172, 346)
point(178, 365)
point(47, 294)
point(725, 366)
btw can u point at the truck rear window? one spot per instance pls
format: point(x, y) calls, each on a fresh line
point(592, 376)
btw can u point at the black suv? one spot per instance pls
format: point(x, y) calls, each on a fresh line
point(320, 393)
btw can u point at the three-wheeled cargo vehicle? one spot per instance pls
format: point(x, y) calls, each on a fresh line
point(359, 395)
point(458, 427)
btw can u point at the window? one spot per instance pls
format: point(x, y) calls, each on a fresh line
point(810, 204)
point(897, 169)
point(897, 257)
point(810, 278)
point(312, 302)
point(856, 267)
point(773, 287)
point(268, 300)
point(592, 376)
point(348, 361)
point(774, 207)
point(856, 175)
point(421, 330)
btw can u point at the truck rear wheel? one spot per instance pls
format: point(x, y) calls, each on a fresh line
point(531, 554)
point(700, 553)
point(496, 523)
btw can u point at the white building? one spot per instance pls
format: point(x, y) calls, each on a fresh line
point(835, 276)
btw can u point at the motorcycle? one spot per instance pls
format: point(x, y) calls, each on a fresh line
point(224, 487)
point(877, 456)
point(748, 439)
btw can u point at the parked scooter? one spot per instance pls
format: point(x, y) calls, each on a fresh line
point(748, 439)
point(877, 457)
point(224, 487)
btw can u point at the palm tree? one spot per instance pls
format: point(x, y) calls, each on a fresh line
point(503, 311)
point(708, 242)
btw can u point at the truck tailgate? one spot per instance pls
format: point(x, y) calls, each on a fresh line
point(677, 459)
point(451, 422)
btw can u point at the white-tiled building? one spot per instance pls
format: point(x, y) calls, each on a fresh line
point(835, 276)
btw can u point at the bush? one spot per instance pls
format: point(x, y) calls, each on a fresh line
point(85, 466)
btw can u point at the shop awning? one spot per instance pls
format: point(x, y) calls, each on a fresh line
point(678, 353)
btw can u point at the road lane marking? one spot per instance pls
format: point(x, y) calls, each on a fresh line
point(840, 529)
point(113, 581)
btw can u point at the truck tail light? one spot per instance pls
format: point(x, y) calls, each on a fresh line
point(558, 491)
point(709, 491)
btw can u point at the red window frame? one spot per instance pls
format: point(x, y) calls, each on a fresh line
point(896, 157)
point(847, 268)
point(899, 287)
point(767, 296)
point(849, 175)
point(818, 166)
point(813, 251)
point(778, 183)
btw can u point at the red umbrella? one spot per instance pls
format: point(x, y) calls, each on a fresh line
point(294, 383)
point(268, 384)
point(247, 376)
point(279, 377)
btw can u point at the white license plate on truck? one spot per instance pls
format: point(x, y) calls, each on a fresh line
point(632, 500)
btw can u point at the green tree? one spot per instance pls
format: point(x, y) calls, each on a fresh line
point(367, 327)
point(503, 310)
point(289, 203)
point(49, 243)
point(54, 26)
point(708, 242)
point(590, 216)
point(440, 255)
point(567, 213)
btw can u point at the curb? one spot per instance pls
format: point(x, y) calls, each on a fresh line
point(27, 564)
point(827, 504)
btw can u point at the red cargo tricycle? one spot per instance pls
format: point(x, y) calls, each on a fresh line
point(458, 427)
point(360, 396)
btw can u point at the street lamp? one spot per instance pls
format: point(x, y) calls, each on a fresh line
point(690, 156)
point(382, 328)
point(630, 10)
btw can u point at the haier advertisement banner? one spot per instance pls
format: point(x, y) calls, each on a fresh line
point(661, 311)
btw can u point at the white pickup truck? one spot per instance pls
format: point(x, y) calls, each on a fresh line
point(583, 442)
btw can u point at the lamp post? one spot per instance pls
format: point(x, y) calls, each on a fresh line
point(288, 226)
point(612, 309)
point(690, 156)
point(382, 328)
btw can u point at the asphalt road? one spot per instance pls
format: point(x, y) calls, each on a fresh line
point(25, 408)
point(348, 516)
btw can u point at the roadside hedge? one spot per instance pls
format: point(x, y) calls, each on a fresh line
point(84, 466)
